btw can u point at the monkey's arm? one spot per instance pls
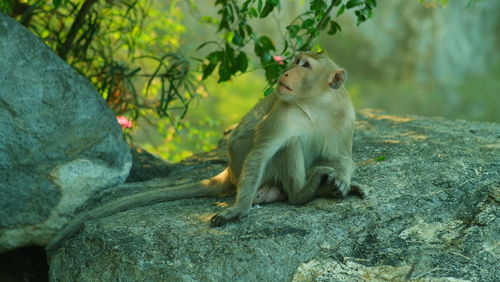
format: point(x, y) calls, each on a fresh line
point(339, 158)
point(301, 189)
point(270, 137)
point(343, 167)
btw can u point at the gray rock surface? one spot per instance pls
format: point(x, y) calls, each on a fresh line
point(431, 214)
point(59, 142)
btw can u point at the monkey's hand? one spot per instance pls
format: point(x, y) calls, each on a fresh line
point(337, 183)
point(342, 186)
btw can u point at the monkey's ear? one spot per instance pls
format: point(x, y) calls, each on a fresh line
point(337, 79)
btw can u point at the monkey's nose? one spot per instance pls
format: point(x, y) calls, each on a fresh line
point(286, 74)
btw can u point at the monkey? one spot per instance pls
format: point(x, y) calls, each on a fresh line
point(294, 145)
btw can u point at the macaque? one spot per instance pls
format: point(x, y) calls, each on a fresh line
point(295, 145)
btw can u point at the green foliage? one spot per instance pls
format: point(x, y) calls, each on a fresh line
point(230, 56)
point(109, 42)
point(130, 49)
point(115, 45)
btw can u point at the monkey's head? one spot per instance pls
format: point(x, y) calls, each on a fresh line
point(311, 75)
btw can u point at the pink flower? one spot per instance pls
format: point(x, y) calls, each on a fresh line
point(124, 122)
point(278, 59)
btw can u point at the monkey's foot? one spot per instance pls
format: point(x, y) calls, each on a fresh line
point(356, 190)
point(227, 215)
point(342, 190)
point(218, 220)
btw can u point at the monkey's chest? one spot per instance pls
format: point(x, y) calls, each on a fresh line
point(317, 147)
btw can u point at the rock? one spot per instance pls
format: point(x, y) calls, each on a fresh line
point(146, 166)
point(431, 214)
point(59, 142)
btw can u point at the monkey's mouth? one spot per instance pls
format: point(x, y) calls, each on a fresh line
point(282, 84)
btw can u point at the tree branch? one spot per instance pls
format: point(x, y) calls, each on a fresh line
point(64, 49)
point(322, 21)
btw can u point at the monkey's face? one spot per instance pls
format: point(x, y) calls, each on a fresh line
point(310, 77)
point(297, 78)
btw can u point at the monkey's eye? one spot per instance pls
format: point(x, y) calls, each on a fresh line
point(306, 64)
point(297, 61)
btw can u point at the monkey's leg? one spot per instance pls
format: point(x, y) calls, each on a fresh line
point(250, 180)
point(271, 134)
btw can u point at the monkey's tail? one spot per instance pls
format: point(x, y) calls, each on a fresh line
point(219, 185)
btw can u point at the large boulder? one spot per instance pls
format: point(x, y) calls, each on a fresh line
point(59, 142)
point(431, 214)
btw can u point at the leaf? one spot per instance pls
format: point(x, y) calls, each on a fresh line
point(224, 71)
point(293, 30)
point(237, 40)
point(253, 12)
point(380, 158)
point(207, 69)
point(242, 62)
point(215, 56)
point(305, 47)
point(266, 58)
point(259, 49)
point(229, 36)
point(205, 44)
point(272, 72)
point(249, 31)
point(299, 41)
point(307, 23)
point(341, 10)
point(325, 23)
point(353, 3)
point(334, 27)
point(317, 5)
point(268, 91)
point(267, 43)
point(229, 53)
point(244, 7)
point(361, 17)
point(268, 8)
point(371, 3)
point(313, 31)
point(207, 19)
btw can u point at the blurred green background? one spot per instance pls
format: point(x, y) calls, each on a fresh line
point(424, 57)
point(412, 57)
